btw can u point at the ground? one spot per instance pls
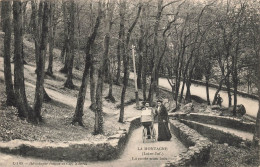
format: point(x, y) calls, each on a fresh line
point(222, 155)
point(58, 114)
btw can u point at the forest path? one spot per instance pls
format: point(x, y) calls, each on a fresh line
point(136, 153)
point(146, 154)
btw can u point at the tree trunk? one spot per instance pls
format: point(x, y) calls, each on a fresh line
point(92, 86)
point(110, 96)
point(144, 51)
point(64, 52)
point(139, 71)
point(102, 72)
point(153, 85)
point(77, 118)
point(39, 90)
point(140, 55)
point(6, 17)
point(37, 20)
point(219, 88)
point(257, 127)
point(188, 94)
point(70, 54)
point(144, 74)
point(126, 64)
point(188, 84)
point(120, 44)
point(182, 89)
point(123, 52)
point(228, 91)
point(2, 16)
point(51, 39)
point(207, 89)
point(19, 86)
point(24, 4)
point(99, 90)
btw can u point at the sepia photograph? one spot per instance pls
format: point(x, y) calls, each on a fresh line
point(129, 83)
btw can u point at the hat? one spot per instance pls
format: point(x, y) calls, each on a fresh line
point(159, 100)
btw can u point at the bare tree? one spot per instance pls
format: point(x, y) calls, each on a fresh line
point(64, 50)
point(70, 52)
point(157, 54)
point(39, 90)
point(6, 17)
point(52, 30)
point(101, 72)
point(77, 118)
point(110, 73)
point(121, 36)
point(19, 86)
point(126, 63)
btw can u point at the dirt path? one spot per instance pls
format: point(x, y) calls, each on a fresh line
point(240, 133)
point(136, 153)
point(145, 154)
point(251, 105)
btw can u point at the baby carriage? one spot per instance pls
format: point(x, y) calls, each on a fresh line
point(147, 120)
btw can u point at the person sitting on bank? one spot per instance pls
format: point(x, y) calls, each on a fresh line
point(164, 133)
point(219, 100)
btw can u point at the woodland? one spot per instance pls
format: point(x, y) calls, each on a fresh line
point(213, 41)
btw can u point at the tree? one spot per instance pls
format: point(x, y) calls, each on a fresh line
point(157, 53)
point(70, 52)
point(254, 27)
point(121, 36)
point(101, 72)
point(92, 70)
point(36, 19)
point(92, 81)
point(64, 50)
point(6, 17)
point(143, 48)
point(257, 129)
point(77, 117)
point(126, 62)
point(39, 90)
point(52, 30)
point(109, 63)
point(19, 86)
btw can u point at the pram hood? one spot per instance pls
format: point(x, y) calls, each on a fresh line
point(147, 111)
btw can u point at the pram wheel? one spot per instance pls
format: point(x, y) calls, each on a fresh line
point(144, 134)
point(151, 137)
point(154, 134)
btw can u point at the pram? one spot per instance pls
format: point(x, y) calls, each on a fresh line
point(147, 120)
